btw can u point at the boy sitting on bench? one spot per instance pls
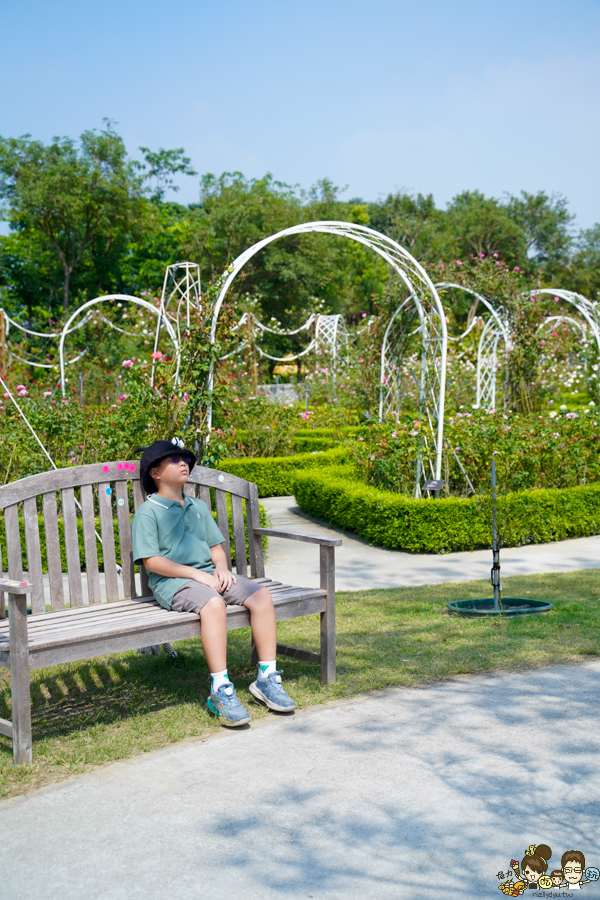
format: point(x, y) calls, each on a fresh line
point(177, 540)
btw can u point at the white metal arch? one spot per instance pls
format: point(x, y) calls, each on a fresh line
point(585, 307)
point(127, 298)
point(494, 330)
point(422, 294)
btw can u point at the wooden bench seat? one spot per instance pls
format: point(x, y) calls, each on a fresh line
point(80, 624)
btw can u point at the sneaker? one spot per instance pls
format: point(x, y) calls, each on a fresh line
point(271, 692)
point(226, 706)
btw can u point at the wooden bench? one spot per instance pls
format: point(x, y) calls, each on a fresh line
point(93, 615)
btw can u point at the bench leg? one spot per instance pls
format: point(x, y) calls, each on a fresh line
point(19, 678)
point(327, 561)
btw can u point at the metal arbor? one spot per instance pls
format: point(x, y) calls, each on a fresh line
point(423, 298)
point(585, 307)
point(494, 331)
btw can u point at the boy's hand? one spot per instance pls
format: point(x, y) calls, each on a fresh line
point(208, 579)
point(225, 578)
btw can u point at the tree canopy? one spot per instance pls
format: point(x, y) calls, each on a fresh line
point(85, 218)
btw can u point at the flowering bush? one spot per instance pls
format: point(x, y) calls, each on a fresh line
point(553, 450)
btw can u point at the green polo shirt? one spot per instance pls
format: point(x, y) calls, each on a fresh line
point(182, 534)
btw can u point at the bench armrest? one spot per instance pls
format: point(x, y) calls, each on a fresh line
point(299, 536)
point(8, 586)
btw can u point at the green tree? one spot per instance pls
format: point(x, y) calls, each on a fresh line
point(546, 224)
point(75, 196)
point(473, 225)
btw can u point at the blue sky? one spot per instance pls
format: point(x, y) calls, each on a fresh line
point(432, 96)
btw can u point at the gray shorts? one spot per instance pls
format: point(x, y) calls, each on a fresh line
point(193, 595)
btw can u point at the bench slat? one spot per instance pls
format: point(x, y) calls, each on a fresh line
point(138, 499)
point(2, 593)
point(89, 544)
point(13, 542)
point(223, 523)
point(239, 535)
point(125, 539)
point(204, 494)
point(72, 547)
point(53, 556)
point(254, 539)
point(108, 541)
point(34, 555)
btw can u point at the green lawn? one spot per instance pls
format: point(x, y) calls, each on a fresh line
point(90, 713)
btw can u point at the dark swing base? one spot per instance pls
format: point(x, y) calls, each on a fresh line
point(512, 606)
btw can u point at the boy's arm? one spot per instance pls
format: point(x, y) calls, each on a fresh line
point(161, 566)
point(222, 574)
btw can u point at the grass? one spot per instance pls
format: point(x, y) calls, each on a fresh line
point(90, 713)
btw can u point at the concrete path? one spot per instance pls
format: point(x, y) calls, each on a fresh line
point(359, 565)
point(406, 794)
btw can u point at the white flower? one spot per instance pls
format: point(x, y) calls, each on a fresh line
point(553, 414)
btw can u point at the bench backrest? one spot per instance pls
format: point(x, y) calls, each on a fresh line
point(98, 502)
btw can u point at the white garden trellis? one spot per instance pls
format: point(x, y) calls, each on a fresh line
point(495, 330)
point(423, 297)
point(584, 307)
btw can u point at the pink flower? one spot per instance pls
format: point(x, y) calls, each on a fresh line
point(7, 396)
point(122, 397)
point(126, 363)
point(73, 459)
point(556, 299)
point(495, 255)
point(458, 262)
point(394, 434)
point(363, 315)
point(23, 393)
point(482, 256)
point(47, 393)
point(543, 342)
point(554, 334)
point(236, 399)
point(516, 269)
point(218, 431)
point(20, 387)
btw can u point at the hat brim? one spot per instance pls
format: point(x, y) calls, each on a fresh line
point(148, 482)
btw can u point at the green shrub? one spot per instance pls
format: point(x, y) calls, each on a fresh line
point(442, 526)
point(275, 476)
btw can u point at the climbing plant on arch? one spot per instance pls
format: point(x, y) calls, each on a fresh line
point(424, 304)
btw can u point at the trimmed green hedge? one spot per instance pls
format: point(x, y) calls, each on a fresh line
point(442, 526)
point(275, 475)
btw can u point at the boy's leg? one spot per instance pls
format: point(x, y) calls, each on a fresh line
point(263, 623)
point(213, 633)
point(199, 598)
point(267, 686)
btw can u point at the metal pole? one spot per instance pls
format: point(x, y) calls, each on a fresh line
point(495, 546)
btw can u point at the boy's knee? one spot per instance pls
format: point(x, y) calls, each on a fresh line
point(214, 606)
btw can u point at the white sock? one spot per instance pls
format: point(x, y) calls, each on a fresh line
point(218, 679)
point(266, 668)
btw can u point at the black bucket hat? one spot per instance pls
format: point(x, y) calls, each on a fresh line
point(156, 452)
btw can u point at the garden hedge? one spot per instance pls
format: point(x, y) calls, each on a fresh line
point(275, 475)
point(445, 525)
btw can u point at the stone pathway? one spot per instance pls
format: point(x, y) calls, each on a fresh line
point(360, 566)
point(405, 794)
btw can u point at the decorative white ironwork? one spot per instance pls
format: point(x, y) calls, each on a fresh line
point(424, 298)
point(585, 307)
point(495, 330)
point(331, 337)
point(126, 298)
point(181, 285)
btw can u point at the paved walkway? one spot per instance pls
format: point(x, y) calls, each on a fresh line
point(407, 794)
point(359, 565)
